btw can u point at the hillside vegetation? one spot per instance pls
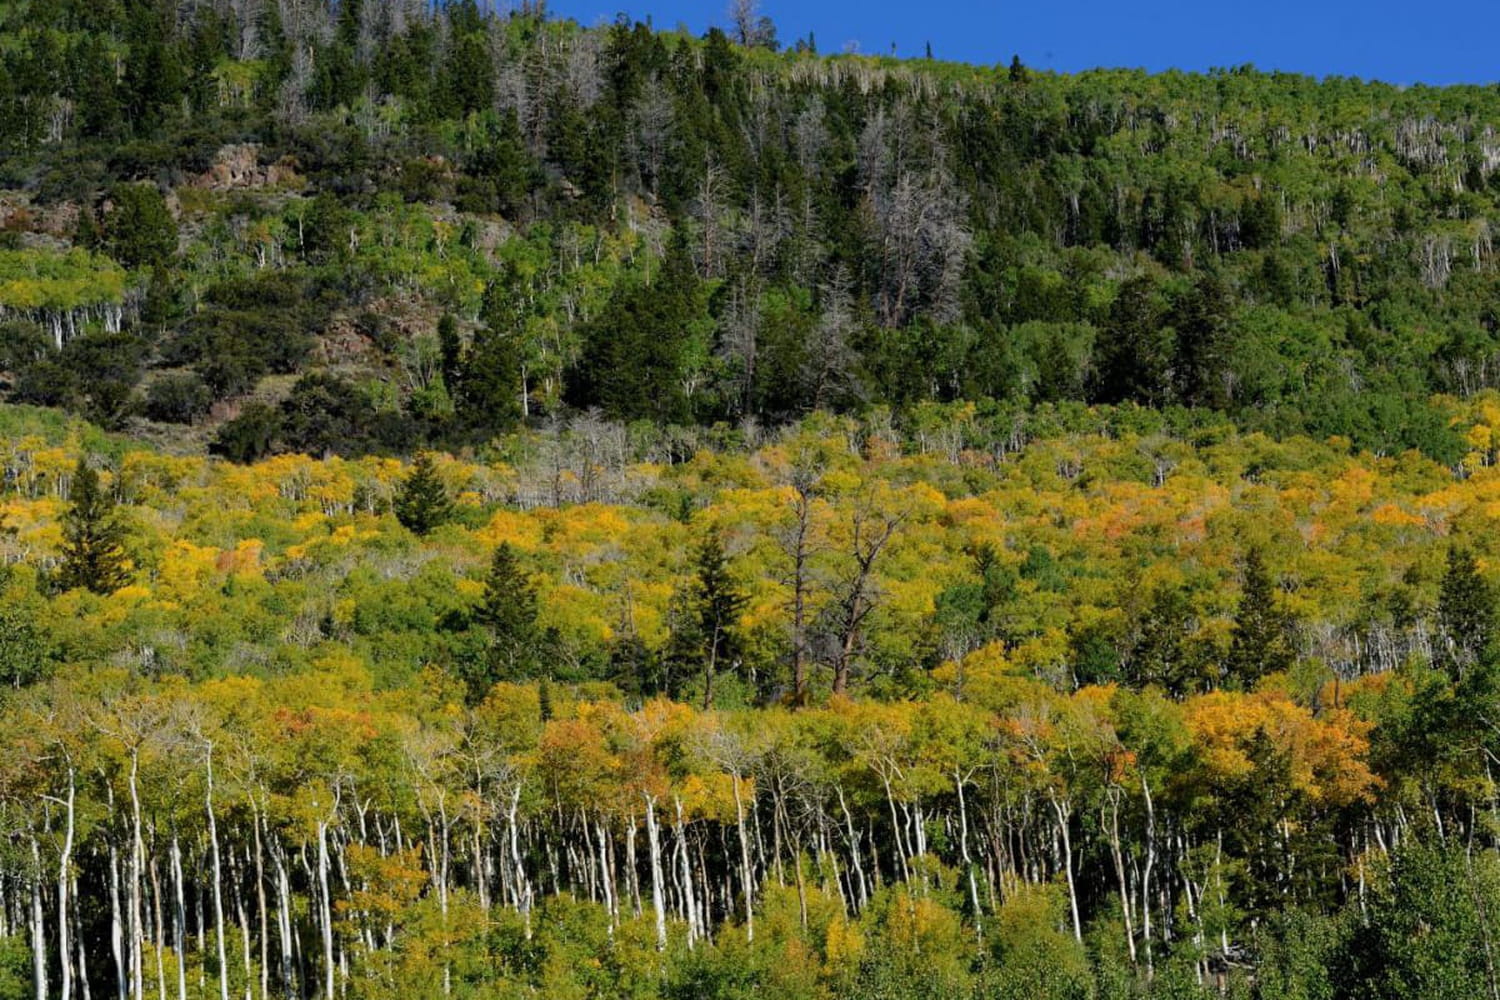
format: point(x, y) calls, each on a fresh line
point(433, 228)
point(491, 508)
point(1129, 710)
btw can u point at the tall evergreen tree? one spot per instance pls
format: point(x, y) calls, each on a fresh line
point(467, 76)
point(139, 230)
point(451, 352)
point(490, 381)
point(712, 607)
point(1159, 655)
point(1201, 320)
point(93, 556)
point(508, 612)
point(641, 350)
point(423, 502)
point(1465, 613)
point(1136, 350)
point(1260, 639)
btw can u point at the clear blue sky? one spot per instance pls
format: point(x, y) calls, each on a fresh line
point(1436, 41)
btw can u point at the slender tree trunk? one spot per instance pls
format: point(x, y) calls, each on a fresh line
point(610, 909)
point(689, 904)
point(1146, 874)
point(116, 928)
point(64, 880)
point(522, 886)
point(83, 964)
point(137, 855)
point(283, 915)
point(38, 929)
point(218, 874)
point(325, 911)
point(260, 900)
point(179, 920)
point(1064, 816)
point(1127, 905)
point(747, 880)
point(963, 846)
point(653, 838)
point(159, 930)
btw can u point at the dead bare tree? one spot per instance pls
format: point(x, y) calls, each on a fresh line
point(856, 590)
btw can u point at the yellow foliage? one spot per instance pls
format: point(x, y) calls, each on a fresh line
point(1325, 755)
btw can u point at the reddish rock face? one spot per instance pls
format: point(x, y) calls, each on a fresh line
point(238, 167)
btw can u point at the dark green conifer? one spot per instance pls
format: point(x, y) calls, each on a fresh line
point(1260, 639)
point(1465, 614)
point(508, 612)
point(93, 555)
point(423, 502)
point(711, 608)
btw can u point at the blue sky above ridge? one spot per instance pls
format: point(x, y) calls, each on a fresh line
point(1439, 42)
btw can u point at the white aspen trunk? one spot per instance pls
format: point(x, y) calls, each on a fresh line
point(325, 911)
point(116, 928)
point(689, 903)
point(1219, 889)
point(83, 964)
point(861, 897)
point(446, 855)
point(746, 876)
point(605, 880)
point(239, 907)
point(522, 886)
point(890, 798)
point(158, 932)
point(260, 900)
point(137, 857)
point(481, 873)
point(1146, 874)
point(653, 838)
point(1064, 813)
point(38, 930)
point(1127, 905)
point(630, 871)
point(963, 847)
point(919, 830)
point(213, 843)
point(443, 892)
point(179, 920)
point(64, 880)
point(283, 917)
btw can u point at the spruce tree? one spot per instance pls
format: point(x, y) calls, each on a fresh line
point(93, 555)
point(1465, 613)
point(1160, 654)
point(1135, 357)
point(1260, 642)
point(490, 383)
point(1204, 340)
point(450, 347)
point(712, 607)
point(508, 613)
point(423, 502)
point(139, 230)
point(544, 700)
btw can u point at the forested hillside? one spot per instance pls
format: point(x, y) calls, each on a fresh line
point(1087, 705)
point(493, 508)
point(371, 225)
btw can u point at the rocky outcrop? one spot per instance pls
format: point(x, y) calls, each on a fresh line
point(238, 167)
